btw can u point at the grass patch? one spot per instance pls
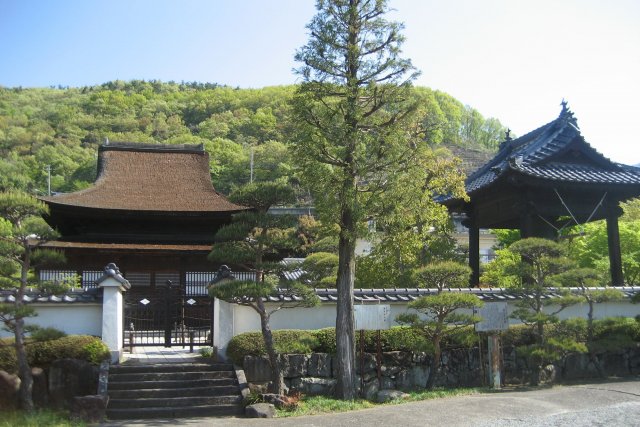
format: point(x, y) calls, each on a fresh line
point(316, 405)
point(37, 419)
point(439, 393)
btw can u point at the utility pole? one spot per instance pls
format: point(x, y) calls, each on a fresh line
point(48, 169)
point(251, 165)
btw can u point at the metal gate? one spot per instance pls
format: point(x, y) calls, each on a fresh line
point(165, 316)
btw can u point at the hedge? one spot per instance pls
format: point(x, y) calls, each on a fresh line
point(610, 333)
point(43, 353)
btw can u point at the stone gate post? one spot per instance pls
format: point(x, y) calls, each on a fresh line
point(113, 285)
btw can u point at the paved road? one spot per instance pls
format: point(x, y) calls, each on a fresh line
point(604, 404)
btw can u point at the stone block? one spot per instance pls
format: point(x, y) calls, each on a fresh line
point(69, 378)
point(9, 386)
point(313, 386)
point(384, 396)
point(260, 410)
point(371, 389)
point(412, 378)
point(397, 358)
point(616, 364)
point(257, 369)
point(320, 365)
point(294, 365)
point(90, 409)
point(39, 392)
point(368, 360)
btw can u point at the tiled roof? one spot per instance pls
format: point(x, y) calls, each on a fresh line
point(35, 298)
point(56, 244)
point(581, 173)
point(391, 295)
point(540, 154)
point(147, 177)
point(330, 295)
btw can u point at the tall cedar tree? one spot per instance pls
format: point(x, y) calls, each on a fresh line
point(252, 241)
point(360, 144)
point(22, 231)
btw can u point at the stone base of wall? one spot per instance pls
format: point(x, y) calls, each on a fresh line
point(314, 374)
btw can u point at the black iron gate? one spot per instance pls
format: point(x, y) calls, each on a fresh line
point(165, 316)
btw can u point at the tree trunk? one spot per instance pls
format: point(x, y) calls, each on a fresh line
point(592, 355)
point(277, 384)
point(24, 370)
point(435, 366)
point(345, 327)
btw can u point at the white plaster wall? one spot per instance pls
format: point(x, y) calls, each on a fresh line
point(324, 315)
point(223, 324)
point(74, 319)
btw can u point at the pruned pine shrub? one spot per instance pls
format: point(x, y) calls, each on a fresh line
point(286, 341)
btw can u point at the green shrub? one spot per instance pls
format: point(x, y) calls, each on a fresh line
point(615, 333)
point(285, 341)
point(518, 335)
point(8, 356)
point(326, 340)
point(246, 344)
point(574, 328)
point(83, 347)
point(399, 338)
point(43, 353)
point(562, 337)
point(96, 352)
point(294, 341)
point(46, 334)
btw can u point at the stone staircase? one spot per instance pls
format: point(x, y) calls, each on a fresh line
point(173, 391)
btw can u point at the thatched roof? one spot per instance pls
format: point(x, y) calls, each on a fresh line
point(146, 177)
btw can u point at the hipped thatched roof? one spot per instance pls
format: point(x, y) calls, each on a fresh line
point(146, 177)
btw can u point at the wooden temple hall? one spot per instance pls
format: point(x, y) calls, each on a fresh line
point(541, 183)
point(152, 210)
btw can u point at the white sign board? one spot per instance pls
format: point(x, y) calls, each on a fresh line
point(372, 317)
point(495, 317)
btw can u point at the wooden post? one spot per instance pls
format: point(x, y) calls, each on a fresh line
point(474, 254)
point(613, 240)
point(362, 362)
point(494, 358)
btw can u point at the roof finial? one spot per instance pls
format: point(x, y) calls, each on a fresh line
point(565, 107)
point(507, 139)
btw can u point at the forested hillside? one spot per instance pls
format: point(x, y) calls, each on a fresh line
point(59, 129)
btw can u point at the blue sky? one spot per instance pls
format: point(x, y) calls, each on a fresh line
point(511, 59)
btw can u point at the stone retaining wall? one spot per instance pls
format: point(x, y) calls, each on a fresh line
point(314, 374)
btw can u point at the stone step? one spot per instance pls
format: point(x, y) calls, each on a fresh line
point(174, 412)
point(163, 392)
point(169, 384)
point(174, 402)
point(170, 367)
point(164, 376)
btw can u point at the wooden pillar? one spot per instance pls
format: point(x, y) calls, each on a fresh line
point(613, 240)
point(474, 254)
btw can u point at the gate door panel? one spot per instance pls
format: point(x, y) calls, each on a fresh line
point(163, 316)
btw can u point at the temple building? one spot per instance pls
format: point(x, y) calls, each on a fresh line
point(152, 210)
point(544, 181)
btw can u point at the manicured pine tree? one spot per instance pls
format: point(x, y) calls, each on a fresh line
point(254, 241)
point(22, 232)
